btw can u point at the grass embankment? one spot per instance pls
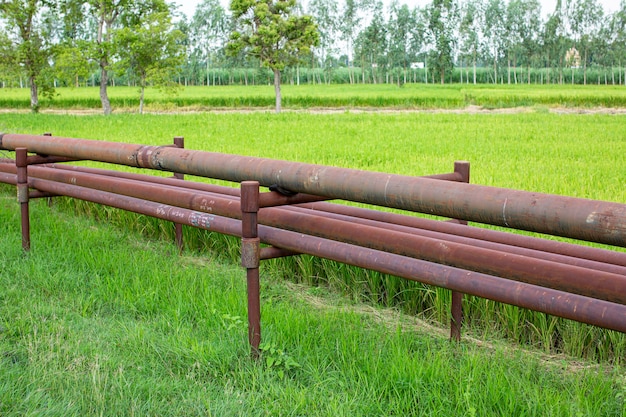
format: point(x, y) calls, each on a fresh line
point(576, 155)
point(97, 320)
point(409, 96)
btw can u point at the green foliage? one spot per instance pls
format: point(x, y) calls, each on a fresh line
point(86, 329)
point(150, 50)
point(31, 46)
point(532, 150)
point(270, 31)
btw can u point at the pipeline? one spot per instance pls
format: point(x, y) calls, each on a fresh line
point(598, 283)
point(572, 306)
point(590, 220)
point(572, 251)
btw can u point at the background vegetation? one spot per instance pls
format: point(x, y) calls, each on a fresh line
point(341, 97)
point(83, 43)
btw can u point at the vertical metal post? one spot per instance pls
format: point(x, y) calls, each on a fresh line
point(179, 142)
point(49, 198)
point(250, 259)
point(462, 168)
point(21, 162)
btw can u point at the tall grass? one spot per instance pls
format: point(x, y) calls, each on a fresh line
point(97, 320)
point(567, 154)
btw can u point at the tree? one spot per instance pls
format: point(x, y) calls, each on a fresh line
point(107, 16)
point(522, 25)
point(402, 38)
point(470, 30)
point(443, 15)
point(371, 44)
point(271, 32)
point(495, 20)
point(351, 20)
point(586, 16)
point(618, 38)
point(72, 58)
point(209, 30)
point(30, 47)
point(149, 50)
point(326, 15)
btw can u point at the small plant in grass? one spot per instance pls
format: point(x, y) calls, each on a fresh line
point(277, 360)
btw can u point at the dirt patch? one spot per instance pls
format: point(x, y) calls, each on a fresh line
point(471, 109)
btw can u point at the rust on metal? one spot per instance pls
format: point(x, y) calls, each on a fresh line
point(587, 285)
point(591, 220)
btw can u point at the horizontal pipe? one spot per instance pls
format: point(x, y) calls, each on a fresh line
point(577, 255)
point(506, 238)
point(598, 284)
point(571, 306)
point(478, 234)
point(590, 220)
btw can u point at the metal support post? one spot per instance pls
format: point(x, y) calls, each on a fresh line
point(179, 142)
point(21, 163)
point(250, 259)
point(463, 169)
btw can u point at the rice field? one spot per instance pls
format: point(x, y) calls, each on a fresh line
point(342, 96)
point(86, 329)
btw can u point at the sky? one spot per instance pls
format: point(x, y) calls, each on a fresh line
point(547, 6)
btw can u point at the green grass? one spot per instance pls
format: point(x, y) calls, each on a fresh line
point(409, 96)
point(97, 320)
point(568, 154)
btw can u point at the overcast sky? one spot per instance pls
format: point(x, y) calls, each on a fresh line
point(547, 6)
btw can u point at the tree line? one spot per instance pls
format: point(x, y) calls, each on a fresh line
point(48, 43)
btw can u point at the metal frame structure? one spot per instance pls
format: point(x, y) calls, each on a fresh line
point(563, 279)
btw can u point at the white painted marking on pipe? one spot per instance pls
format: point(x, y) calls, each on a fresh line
point(504, 212)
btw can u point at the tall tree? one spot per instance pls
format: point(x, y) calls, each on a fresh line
point(585, 19)
point(618, 38)
point(495, 32)
point(443, 17)
point(72, 61)
point(325, 13)
point(404, 42)
point(107, 16)
point(523, 23)
point(31, 43)
point(371, 45)
point(351, 20)
point(470, 30)
point(209, 30)
point(150, 50)
point(552, 41)
point(270, 31)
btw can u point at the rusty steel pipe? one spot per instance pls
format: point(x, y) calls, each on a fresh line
point(601, 256)
point(571, 306)
point(486, 244)
point(607, 286)
point(505, 238)
point(533, 253)
point(590, 220)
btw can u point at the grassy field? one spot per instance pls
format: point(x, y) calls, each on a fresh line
point(128, 331)
point(409, 96)
point(87, 329)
